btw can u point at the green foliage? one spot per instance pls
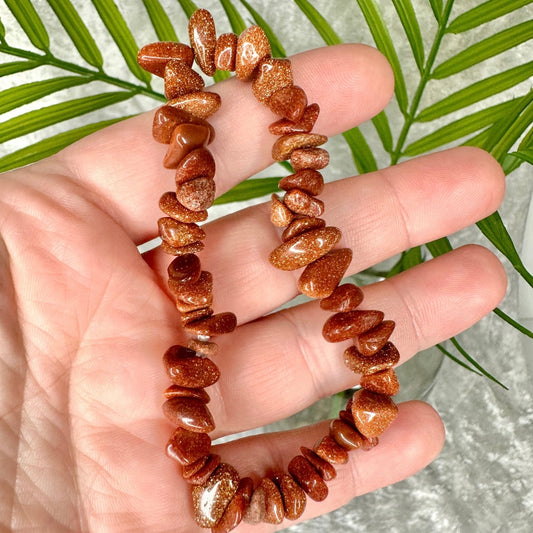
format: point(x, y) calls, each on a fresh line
point(503, 128)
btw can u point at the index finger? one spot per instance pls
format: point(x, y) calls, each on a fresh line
point(121, 166)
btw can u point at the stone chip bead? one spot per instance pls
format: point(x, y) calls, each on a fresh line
point(196, 164)
point(301, 203)
point(226, 51)
point(386, 358)
point(192, 248)
point(166, 118)
point(345, 435)
point(344, 298)
point(330, 451)
point(294, 498)
point(185, 138)
point(190, 414)
point(304, 125)
point(179, 233)
point(308, 478)
point(186, 369)
point(195, 314)
point(175, 391)
point(272, 75)
point(373, 340)
point(203, 38)
point(187, 447)
point(266, 504)
point(383, 382)
point(197, 194)
point(185, 269)
point(305, 248)
point(286, 144)
point(280, 214)
point(313, 158)
point(211, 499)
point(170, 205)
point(153, 57)
point(343, 326)
point(200, 471)
point(320, 277)
point(252, 47)
point(195, 295)
point(288, 102)
point(372, 413)
point(234, 512)
point(325, 469)
point(309, 181)
point(181, 79)
point(213, 326)
point(301, 225)
point(204, 347)
point(201, 104)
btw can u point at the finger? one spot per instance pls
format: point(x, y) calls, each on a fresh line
point(380, 215)
point(413, 440)
point(122, 165)
point(278, 365)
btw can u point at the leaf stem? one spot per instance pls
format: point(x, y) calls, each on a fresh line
point(425, 77)
point(94, 75)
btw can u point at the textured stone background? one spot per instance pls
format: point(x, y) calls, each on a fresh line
point(483, 479)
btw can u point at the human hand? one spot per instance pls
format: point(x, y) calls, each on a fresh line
point(85, 319)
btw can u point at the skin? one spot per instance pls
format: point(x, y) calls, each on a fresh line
point(85, 319)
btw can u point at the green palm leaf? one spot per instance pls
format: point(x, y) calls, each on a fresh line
point(188, 6)
point(17, 66)
point(236, 21)
point(493, 45)
point(30, 22)
point(160, 21)
point(381, 123)
point(362, 154)
point(525, 155)
point(77, 31)
point(436, 7)
point(118, 29)
point(251, 188)
point(319, 22)
point(484, 12)
point(407, 16)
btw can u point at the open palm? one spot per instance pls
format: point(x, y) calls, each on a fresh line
point(85, 319)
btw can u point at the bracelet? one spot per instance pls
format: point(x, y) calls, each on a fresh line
point(221, 498)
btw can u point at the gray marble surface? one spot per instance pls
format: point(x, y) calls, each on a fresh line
point(483, 480)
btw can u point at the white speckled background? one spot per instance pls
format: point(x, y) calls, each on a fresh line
point(483, 480)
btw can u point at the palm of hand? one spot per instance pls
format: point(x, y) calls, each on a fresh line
point(85, 319)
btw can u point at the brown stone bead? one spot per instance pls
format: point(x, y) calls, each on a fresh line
point(179, 233)
point(308, 478)
point(280, 214)
point(181, 79)
point(197, 194)
point(185, 138)
point(255, 512)
point(386, 358)
point(226, 51)
point(170, 205)
point(313, 158)
point(213, 326)
point(204, 347)
point(175, 391)
point(285, 145)
point(198, 473)
point(187, 447)
point(192, 248)
point(266, 504)
point(301, 203)
point(344, 298)
point(203, 38)
point(368, 444)
point(185, 269)
point(305, 248)
point(372, 413)
point(189, 413)
point(196, 164)
point(234, 512)
point(166, 118)
point(186, 369)
point(320, 277)
point(384, 382)
point(252, 47)
point(330, 451)
point(346, 416)
point(304, 125)
point(342, 326)
point(195, 314)
point(198, 294)
point(345, 435)
point(309, 181)
point(211, 499)
point(153, 57)
point(301, 225)
point(373, 340)
point(326, 470)
point(288, 102)
point(272, 74)
point(294, 499)
point(201, 104)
